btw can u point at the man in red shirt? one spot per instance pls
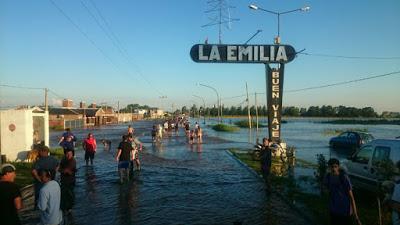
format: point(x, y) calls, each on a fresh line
point(90, 146)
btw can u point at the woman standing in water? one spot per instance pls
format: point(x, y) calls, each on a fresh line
point(89, 145)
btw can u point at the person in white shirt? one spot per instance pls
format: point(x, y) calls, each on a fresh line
point(49, 200)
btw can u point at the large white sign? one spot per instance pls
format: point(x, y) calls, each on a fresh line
point(242, 53)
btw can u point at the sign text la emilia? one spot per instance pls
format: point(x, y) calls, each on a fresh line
point(242, 53)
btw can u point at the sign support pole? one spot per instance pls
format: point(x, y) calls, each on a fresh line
point(274, 90)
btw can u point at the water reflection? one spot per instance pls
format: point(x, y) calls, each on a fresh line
point(127, 203)
point(90, 181)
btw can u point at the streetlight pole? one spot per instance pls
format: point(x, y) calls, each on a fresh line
point(278, 14)
point(204, 107)
point(218, 100)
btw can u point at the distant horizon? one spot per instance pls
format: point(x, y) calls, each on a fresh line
point(77, 106)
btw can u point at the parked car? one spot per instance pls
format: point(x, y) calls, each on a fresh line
point(372, 163)
point(350, 139)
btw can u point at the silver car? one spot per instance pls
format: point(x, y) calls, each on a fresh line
point(368, 167)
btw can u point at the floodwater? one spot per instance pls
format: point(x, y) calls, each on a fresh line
point(308, 135)
point(178, 184)
point(187, 184)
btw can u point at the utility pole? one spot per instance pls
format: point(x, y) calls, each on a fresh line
point(46, 103)
point(118, 113)
point(255, 99)
point(248, 106)
point(220, 108)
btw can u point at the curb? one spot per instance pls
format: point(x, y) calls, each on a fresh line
point(286, 200)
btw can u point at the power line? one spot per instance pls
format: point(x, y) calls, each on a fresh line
point(85, 35)
point(344, 82)
point(327, 85)
point(21, 87)
point(114, 39)
point(349, 57)
point(57, 95)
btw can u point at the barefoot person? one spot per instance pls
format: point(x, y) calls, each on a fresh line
point(342, 206)
point(10, 196)
point(90, 146)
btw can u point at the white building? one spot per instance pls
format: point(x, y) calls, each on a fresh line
point(19, 129)
point(140, 111)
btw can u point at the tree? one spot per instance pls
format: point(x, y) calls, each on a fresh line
point(291, 111)
point(368, 112)
point(184, 110)
point(313, 111)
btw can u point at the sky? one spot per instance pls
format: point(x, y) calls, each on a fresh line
point(67, 46)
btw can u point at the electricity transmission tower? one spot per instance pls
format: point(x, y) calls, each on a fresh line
point(219, 14)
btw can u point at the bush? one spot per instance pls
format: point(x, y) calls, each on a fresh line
point(57, 152)
point(322, 168)
point(245, 124)
point(224, 128)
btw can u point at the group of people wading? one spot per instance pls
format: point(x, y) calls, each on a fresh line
point(194, 135)
point(54, 180)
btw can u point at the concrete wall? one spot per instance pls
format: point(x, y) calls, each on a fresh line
point(15, 143)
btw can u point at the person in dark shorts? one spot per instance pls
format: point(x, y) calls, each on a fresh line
point(266, 159)
point(125, 151)
point(44, 162)
point(342, 206)
point(154, 134)
point(10, 196)
point(67, 171)
point(90, 146)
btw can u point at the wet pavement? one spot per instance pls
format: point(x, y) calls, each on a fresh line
point(178, 184)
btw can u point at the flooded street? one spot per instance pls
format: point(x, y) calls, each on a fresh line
point(187, 184)
point(178, 184)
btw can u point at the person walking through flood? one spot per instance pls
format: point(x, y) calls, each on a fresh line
point(66, 134)
point(90, 146)
point(67, 170)
point(130, 130)
point(266, 160)
point(137, 146)
point(45, 162)
point(187, 128)
point(199, 135)
point(10, 196)
point(49, 199)
point(154, 134)
point(123, 157)
point(191, 137)
point(68, 143)
point(160, 132)
point(342, 206)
